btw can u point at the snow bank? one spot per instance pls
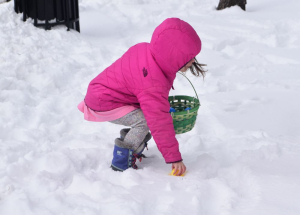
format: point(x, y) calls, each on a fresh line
point(242, 156)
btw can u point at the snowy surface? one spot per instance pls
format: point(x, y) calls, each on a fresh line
point(242, 157)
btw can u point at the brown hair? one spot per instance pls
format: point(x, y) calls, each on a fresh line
point(196, 69)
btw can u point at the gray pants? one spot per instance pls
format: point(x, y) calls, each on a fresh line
point(139, 128)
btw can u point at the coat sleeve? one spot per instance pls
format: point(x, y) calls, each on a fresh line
point(155, 106)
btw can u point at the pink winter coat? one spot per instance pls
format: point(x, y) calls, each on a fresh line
point(143, 77)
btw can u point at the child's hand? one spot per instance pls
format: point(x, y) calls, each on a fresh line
point(180, 167)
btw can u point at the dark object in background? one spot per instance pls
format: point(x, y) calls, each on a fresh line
point(51, 12)
point(3, 1)
point(228, 3)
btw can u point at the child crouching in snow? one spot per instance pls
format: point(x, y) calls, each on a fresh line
point(134, 91)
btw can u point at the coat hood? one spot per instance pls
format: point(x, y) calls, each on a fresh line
point(174, 43)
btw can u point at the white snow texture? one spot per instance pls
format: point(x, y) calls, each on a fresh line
point(242, 157)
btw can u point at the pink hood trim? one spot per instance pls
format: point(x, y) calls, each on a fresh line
point(174, 43)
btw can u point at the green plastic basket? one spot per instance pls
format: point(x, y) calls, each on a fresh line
point(184, 120)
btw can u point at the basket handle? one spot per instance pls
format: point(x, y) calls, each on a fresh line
point(190, 83)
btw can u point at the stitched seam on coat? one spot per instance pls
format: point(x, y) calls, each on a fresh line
point(150, 69)
point(138, 62)
point(118, 83)
point(122, 71)
point(131, 72)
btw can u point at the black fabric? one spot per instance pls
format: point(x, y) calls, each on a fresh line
point(41, 8)
point(63, 11)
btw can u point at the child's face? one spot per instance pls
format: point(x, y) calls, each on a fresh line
point(188, 65)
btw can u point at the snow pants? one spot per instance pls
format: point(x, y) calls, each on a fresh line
point(139, 128)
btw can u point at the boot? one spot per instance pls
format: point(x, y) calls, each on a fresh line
point(123, 158)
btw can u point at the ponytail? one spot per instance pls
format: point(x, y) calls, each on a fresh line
point(196, 69)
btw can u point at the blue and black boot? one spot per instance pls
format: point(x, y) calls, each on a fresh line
point(124, 157)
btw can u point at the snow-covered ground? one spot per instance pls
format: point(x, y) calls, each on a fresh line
point(242, 157)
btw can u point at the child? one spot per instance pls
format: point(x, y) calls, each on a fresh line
point(134, 91)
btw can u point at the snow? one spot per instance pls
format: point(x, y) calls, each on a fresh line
point(242, 157)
